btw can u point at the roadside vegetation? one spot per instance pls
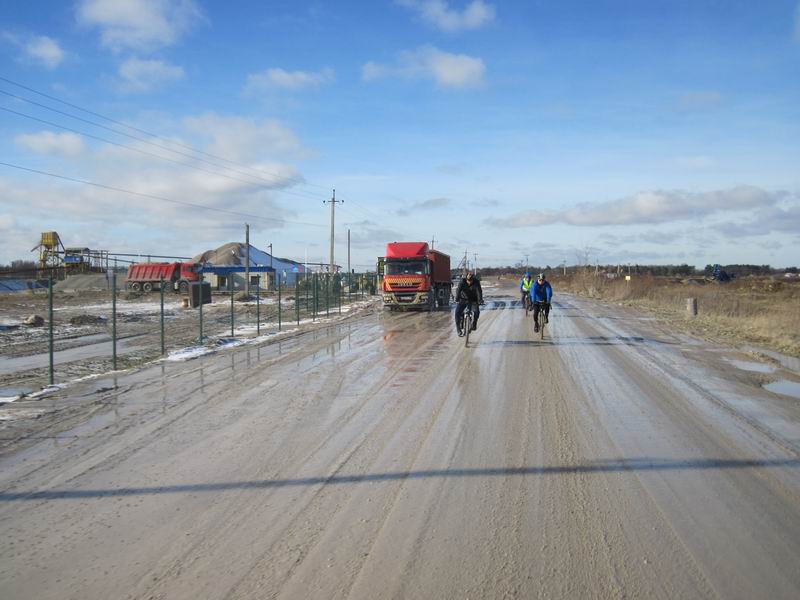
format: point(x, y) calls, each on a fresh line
point(763, 311)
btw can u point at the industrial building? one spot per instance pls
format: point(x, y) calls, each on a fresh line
point(226, 266)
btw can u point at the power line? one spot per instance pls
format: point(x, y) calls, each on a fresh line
point(368, 213)
point(131, 127)
point(146, 153)
point(154, 197)
point(126, 147)
point(134, 137)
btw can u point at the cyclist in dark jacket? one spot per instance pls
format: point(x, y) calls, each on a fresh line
point(541, 292)
point(469, 291)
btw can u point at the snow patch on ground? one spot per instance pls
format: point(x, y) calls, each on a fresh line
point(188, 353)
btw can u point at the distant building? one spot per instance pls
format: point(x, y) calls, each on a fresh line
point(225, 267)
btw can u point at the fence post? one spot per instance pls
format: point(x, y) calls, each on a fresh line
point(50, 325)
point(162, 316)
point(258, 307)
point(201, 308)
point(339, 295)
point(114, 321)
point(327, 294)
point(297, 297)
point(691, 308)
point(279, 301)
point(230, 283)
point(314, 299)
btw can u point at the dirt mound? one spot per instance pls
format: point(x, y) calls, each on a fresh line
point(88, 281)
point(226, 255)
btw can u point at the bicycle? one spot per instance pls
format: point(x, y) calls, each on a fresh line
point(527, 303)
point(466, 322)
point(540, 319)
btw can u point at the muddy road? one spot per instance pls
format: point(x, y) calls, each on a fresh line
point(379, 458)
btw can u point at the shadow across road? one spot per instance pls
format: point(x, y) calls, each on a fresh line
point(600, 466)
point(594, 340)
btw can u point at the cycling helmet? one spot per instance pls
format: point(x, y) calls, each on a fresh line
point(540, 276)
point(528, 275)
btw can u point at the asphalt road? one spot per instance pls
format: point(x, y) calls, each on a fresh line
point(379, 458)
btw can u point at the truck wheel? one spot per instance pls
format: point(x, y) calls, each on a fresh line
point(136, 286)
point(147, 287)
point(183, 287)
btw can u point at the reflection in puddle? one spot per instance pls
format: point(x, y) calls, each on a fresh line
point(755, 367)
point(784, 387)
point(13, 392)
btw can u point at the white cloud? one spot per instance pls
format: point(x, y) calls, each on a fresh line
point(765, 221)
point(7, 222)
point(439, 14)
point(446, 69)
point(277, 78)
point(260, 148)
point(137, 75)
point(47, 142)
point(44, 50)
point(36, 48)
point(245, 140)
point(368, 234)
point(649, 207)
point(141, 25)
point(430, 204)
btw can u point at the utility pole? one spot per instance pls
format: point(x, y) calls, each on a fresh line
point(433, 241)
point(247, 259)
point(526, 262)
point(333, 202)
point(270, 260)
point(475, 256)
point(348, 255)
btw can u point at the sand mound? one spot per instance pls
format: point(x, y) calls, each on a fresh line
point(88, 281)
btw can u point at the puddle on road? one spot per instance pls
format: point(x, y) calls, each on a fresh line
point(784, 387)
point(754, 367)
point(13, 392)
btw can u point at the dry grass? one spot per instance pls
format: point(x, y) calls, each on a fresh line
point(756, 310)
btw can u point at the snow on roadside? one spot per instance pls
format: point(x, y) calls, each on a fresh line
point(188, 353)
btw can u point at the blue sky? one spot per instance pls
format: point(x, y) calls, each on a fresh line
point(611, 131)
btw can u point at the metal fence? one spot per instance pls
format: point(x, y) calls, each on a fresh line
point(158, 323)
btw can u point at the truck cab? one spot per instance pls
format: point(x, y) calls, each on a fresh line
point(415, 276)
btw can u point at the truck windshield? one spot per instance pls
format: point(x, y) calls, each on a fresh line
point(406, 267)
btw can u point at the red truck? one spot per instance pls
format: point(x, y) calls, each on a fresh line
point(415, 276)
point(147, 277)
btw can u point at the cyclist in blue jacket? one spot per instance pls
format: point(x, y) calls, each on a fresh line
point(541, 292)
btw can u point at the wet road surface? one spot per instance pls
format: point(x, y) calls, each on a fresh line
point(379, 458)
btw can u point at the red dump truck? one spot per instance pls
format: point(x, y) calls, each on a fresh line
point(177, 276)
point(415, 276)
